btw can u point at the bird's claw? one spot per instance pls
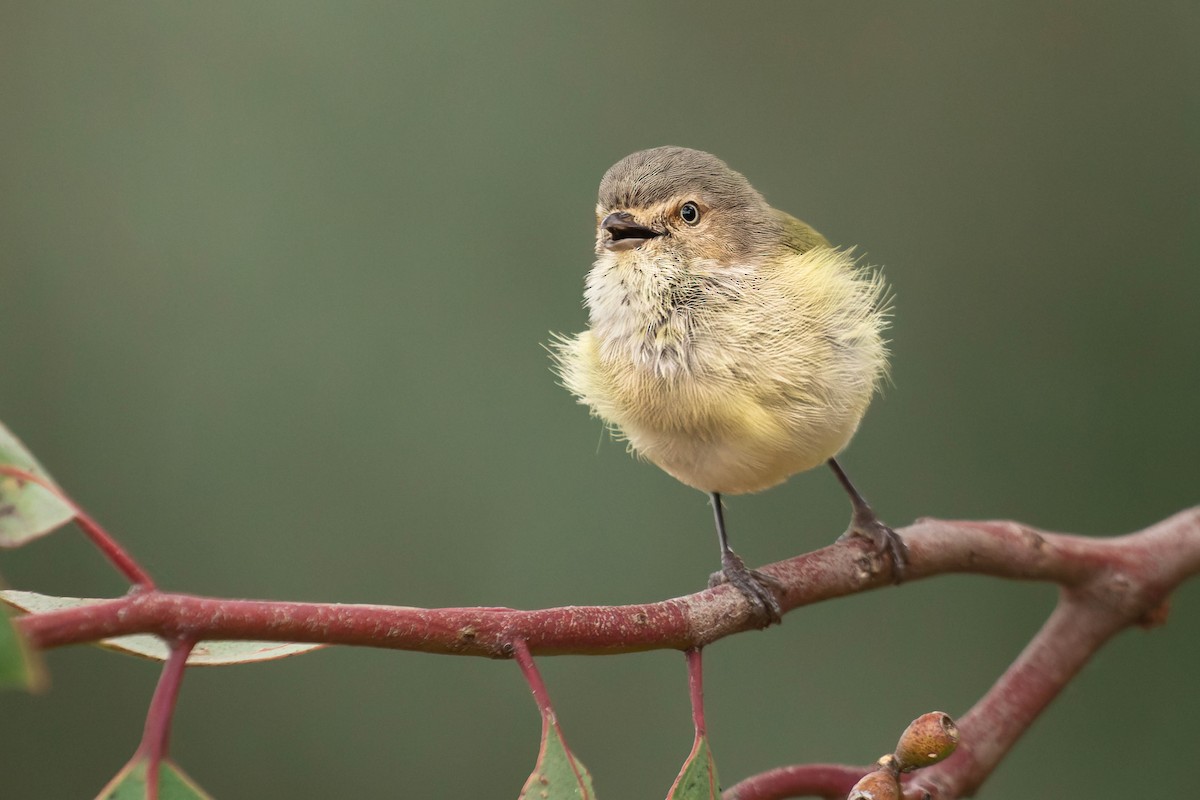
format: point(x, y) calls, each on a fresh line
point(757, 587)
point(886, 541)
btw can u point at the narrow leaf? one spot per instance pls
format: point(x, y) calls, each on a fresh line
point(173, 784)
point(219, 653)
point(698, 778)
point(204, 654)
point(19, 665)
point(558, 775)
point(27, 510)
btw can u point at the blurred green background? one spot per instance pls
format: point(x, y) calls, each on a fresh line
point(274, 284)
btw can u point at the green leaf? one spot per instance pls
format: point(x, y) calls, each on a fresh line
point(698, 778)
point(19, 665)
point(217, 653)
point(558, 775)
point(173, 784)
point(27, 510)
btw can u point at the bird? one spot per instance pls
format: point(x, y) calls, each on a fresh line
point(728, 343)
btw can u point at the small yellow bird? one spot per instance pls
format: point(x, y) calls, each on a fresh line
point(729, 343)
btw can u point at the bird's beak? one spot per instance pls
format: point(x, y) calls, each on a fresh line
point(624, 233)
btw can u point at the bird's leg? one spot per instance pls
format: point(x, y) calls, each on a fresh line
point(754, 585)
point(866, 524)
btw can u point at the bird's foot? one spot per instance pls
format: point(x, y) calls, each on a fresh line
point(866, 525)
point(757, 587)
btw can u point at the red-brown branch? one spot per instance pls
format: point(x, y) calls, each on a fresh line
point(157, 733)
point(829, 781)
point(1130, 575)
point(1107, 585)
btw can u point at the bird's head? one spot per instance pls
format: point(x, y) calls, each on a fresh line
point(683, 205)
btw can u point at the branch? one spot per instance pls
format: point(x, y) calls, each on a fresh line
point(829, 781)
point(1107, 585)
point(1128, 575)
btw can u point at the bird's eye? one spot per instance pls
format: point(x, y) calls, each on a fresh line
point(689, 213)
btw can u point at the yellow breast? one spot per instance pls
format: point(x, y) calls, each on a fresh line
point(767, 373)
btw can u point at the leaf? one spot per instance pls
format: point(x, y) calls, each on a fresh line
point(19, 665)
point(173, 784)
point(215, 653)
point(698, 778)
point(558, 775)
point(27, 510)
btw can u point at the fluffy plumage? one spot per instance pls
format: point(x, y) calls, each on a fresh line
point(733, 352)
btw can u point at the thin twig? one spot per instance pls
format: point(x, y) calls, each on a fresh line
point(541, 696)
point(104, 542)
point(695, 665)
point(157, 733)
point(828, 781)
point(533, 677)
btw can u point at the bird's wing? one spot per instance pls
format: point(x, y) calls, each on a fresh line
point(800, 236)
